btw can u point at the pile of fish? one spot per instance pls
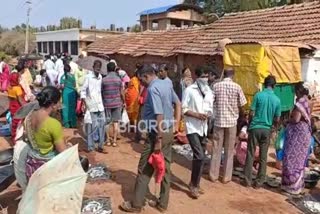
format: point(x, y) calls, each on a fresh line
point(97, 206)
point(99, 172)
point(312, 206)
point(308, 204)
point(186, 151)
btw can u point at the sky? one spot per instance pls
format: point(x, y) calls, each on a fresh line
point(123, 13)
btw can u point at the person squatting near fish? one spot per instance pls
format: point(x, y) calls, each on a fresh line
point(40, 136)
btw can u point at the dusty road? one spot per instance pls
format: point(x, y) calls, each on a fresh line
point(230, 198)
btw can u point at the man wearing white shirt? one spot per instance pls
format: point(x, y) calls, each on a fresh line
point(95, 116)
point(197, 107)
point(48, 64)
point(59, 67)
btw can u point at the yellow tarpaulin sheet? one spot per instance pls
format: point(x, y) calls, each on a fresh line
point(254, 62)
point(285, 63)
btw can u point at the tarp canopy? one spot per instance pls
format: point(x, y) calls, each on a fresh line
point(253, 62)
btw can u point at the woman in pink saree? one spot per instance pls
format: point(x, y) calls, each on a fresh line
point(4, 76)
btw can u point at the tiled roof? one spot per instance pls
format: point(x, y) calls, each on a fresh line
point(294, 24)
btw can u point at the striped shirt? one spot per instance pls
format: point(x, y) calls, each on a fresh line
point(111, 91)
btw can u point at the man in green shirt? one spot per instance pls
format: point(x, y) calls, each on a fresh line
point(265, 111)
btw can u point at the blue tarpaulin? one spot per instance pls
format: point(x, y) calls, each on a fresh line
point(156, 10)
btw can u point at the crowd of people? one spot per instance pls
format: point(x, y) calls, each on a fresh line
point(211, 107)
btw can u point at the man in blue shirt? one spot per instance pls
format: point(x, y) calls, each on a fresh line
point(265, 111)
point(160, 119)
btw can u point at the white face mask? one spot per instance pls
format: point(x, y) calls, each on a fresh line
point(203, 81)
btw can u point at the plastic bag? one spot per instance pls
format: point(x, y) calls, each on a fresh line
point(280, 139)
point(125, 118)
point(56, 187)
point(79, 107)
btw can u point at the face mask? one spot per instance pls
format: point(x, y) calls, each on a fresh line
point(203, 81)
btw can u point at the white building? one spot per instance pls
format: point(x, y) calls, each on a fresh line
point(71, 41)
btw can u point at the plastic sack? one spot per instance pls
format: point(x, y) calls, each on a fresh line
point(56, 187)
point(280, 140)
point(125, 118)
point(156, 160)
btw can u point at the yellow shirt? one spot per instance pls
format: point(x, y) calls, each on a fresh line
point(27, 76)
point(15, 92)
point(80, 76)
point(49, 134)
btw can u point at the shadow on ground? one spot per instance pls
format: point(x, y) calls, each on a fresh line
point(9, 202)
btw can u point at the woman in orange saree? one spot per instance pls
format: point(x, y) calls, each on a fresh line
point(132, 99)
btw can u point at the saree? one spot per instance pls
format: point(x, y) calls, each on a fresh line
point(14, 92)
point(4, 77)
point(69, 100)
point(132, 100)
point(296, 146)
point(27, 157)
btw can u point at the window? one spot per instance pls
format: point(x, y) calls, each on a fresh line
point(39, 47)
point(51, 47)
point(65, 47)
point(58, 47)
point(45, 47)
point(74, 48)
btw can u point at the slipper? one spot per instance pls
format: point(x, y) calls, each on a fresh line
point(100, 150)
point(127, 207)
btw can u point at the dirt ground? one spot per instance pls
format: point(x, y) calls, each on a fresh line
point(219, 198)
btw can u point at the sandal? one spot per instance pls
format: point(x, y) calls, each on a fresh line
point(127, 207)
point(156, 204)
point(109, 142)
point(102, 151)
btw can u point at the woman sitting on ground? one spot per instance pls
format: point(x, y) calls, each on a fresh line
point(43, 135)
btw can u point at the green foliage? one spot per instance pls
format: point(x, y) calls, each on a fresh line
point(227, 6)
point(136, 28)
point(70, 22)
point(4, 56)
point(13, 42)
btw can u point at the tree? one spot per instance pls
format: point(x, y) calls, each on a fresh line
point(136, 28)
point(226, 6)
point(70, 22)
point(13, 42)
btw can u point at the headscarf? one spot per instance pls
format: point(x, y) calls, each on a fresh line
point(14, 79)
point(124, 76)
point(187, 77)
point(114, 61)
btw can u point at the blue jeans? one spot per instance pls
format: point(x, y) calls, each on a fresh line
point(96, 130)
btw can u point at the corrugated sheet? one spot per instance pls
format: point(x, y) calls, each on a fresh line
point(155, 10)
